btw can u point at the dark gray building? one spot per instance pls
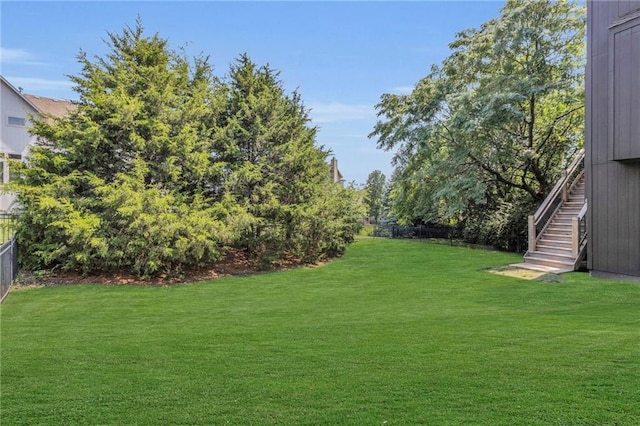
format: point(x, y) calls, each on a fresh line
point(612, 144)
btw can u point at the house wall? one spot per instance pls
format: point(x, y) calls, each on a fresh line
point(14, 139)
point(613, 137)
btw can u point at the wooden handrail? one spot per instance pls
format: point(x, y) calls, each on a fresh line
point(557, 189)
point(577, 240)
point(583, 211)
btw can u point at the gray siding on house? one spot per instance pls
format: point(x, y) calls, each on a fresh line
point(613, 137)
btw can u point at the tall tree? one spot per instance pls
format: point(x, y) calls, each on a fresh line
point(496, 121)
point(375, 190)
point(274, 170)
point(125, 181)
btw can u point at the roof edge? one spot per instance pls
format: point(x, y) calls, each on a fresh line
point(19, 93)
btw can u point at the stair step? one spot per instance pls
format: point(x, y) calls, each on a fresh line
point(564, 234)
point(556, 261)
point(553, 249)
point(557, 236)
point(572, 205)
point(560, 226)
point(554, 243)
point(553, 256)
point(557, 224)
point(543, 262)
point(568, 223)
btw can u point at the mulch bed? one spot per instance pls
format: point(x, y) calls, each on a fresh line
point(234, 263)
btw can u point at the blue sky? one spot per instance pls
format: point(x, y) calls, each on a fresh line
point(341, 56)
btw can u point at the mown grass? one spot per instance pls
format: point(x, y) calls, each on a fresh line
point(395, 332)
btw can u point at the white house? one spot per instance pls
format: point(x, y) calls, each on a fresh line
point(16, 108)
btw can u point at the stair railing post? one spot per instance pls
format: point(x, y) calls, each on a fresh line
point(532, 233)
point(564, 186)
point(575, 235)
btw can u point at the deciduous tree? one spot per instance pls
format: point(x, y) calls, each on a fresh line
point(496, 121)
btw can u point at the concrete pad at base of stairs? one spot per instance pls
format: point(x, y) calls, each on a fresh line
point(540, 268)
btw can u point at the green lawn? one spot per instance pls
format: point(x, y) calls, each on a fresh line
point(395, 332)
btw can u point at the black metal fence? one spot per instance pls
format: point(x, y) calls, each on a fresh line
point(8, 254)
point(7, 227)
point(8, 266)
point(421, 231)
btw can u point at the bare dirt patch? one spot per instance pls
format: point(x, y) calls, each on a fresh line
point(524, 274)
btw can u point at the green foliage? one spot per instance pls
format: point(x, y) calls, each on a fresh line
point(328, 226)
point(276, 174)
point(164, 166)
point(495, 123)
point(151, 231)
point(504, 227)
point(376, 191)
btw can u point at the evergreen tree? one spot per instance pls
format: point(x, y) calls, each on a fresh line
point(163, 167)
point(125, 181)
point(275, 171)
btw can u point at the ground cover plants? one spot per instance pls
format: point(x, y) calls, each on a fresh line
point(394, 332)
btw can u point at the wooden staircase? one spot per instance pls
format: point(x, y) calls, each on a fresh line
point(557, 231)
point(554, 247)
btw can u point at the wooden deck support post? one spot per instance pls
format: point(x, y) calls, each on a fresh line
point(532, 234)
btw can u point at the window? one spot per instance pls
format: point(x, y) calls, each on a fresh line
point(16, 121)
point(5, 175)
